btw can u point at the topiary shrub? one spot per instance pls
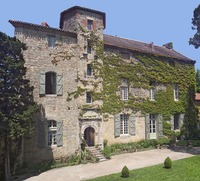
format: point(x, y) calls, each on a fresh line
point(125, 172)
point(168, 163)
point(107, 152)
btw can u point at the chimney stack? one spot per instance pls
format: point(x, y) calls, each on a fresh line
point(169, 45)
point(45, 24)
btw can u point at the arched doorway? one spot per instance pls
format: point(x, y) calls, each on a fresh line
point(89, 135)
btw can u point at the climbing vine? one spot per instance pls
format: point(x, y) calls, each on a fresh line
point(139, 71)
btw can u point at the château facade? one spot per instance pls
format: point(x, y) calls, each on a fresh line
point(136, 90)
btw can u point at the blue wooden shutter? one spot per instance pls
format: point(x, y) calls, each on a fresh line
point(42, 135)
point(132, 124)
point(59, 84)
point(59, 133)
point(117, 125)
point(147, 127)
point(42, 83)
point(172, 122)
point(160, 125)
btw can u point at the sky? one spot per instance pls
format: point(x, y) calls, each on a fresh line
point(148, 21)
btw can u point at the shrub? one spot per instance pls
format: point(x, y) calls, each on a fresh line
point(168, 163)
point(105, 143)
point(125, 172)
point(107, 152)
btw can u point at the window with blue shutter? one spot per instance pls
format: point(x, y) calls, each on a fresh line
point(59, 84)
point(160, 125)
point(147, 127)
point(117, 125)
point(59, 133)
point(42, 83)
point(132, 130)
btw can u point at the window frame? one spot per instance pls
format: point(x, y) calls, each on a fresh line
point(176, 92)
point(90, 24)
point(124, 93)
point(50, 83)
point(52, 133)
point(88, 97)
point(124, 124)
point(152, 90)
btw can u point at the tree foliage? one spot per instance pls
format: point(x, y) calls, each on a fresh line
point(198, 80)
point(17, 106)
point(195, 41)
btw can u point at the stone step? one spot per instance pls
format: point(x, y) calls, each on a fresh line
point(97, 153)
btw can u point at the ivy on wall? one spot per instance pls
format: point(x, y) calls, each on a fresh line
point(139, 71)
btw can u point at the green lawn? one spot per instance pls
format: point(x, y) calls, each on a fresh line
point(182, 170)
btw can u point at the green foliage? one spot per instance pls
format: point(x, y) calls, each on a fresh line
point(195, 41)
point(198, 80)
point(105, 143)
point(107, 152)
point(125, 172)
point(168, 163)
point(17, 106)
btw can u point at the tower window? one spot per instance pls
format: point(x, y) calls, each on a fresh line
point(50, 86)
point(90, 24)
point(89, 69)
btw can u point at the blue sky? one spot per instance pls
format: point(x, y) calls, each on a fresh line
point(143, 20)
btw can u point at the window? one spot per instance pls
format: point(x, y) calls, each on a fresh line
point(152, 90)
point(89, 70)
point(172, 63)
point(125, 55)
point(124, 93)
point(152, 123)
point(176, 92)
point(123, 124)
point(52, 132)
point(50, 83)
point(176, 121)
point(124, 89)
point(88, 97)
point(89, 47)
point(90, 24)
point(51, 41)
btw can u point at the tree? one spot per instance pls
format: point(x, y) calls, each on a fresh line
point(17, 106)
point(195, 41)
point(198, 80)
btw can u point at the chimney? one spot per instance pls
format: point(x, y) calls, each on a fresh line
point(168, 45)
point(151, 45)
point(45, 24)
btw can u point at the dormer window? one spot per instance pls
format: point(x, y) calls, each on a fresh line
point(51, 41)
point(90, 24)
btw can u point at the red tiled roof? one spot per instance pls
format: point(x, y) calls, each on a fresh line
point(197, 97)
point(39, 27)
point(143, 47)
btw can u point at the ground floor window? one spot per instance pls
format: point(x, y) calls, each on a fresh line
point(52, 132)
point(123, 124)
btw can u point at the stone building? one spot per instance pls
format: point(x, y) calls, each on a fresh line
point(59, 65)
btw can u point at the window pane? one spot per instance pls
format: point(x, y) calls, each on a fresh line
point(123, 124)
point(51, 41)
point(50, 83)
point(124, 93)
point(88, 97)
point(89, 70)
point(90, 24)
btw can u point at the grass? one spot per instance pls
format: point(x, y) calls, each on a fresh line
point(182, 170)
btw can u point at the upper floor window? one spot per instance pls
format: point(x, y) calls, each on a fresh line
point(124, 89)
point(88, 97)
point(152, 90)
point(176, 92)
point(125, 55)
point(50, 83)
point(172, 63)
point(123, 124)
point(124, 93)
point(90, 24)
point(51, 41)
point(89, 70)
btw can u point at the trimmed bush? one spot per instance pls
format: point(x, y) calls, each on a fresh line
point(168, 163)
point(125, 172)
point(107, 152)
